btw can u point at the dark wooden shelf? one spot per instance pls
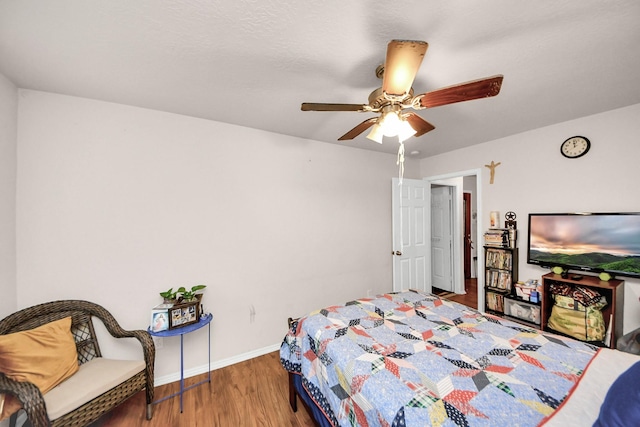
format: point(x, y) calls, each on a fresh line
point(498, 290)
point(613, 291)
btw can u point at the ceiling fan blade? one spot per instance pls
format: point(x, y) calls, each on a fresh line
point(312, 106)
point(420, 125)
point(475, 89)
point(401, 65)
point(359, 129)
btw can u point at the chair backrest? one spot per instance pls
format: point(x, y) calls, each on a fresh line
point(81, 323)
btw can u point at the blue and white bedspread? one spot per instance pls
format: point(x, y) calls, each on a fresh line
point(413, 359)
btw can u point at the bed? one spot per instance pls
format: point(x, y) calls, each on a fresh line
point(414, 359)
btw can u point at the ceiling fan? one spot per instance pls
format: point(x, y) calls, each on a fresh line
point(396, 94)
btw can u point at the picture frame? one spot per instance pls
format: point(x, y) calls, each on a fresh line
point(494, 219)
point(184, 314)
point(160, 317)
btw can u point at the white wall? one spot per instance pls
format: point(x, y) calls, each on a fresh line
point(8, 139)
point(116, 203)
point(534, 177)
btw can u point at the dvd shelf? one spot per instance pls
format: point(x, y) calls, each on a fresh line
point(501, 270)
point(495, 302)
point(499, 259)
point(499, 279)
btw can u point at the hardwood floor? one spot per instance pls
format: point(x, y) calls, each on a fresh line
point(247, 394)
point(470, 299)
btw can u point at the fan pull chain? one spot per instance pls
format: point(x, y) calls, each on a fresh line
point(400, 162)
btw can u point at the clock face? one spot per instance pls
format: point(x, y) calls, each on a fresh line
point(575, 147)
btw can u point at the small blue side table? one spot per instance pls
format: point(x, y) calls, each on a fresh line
point(204, 321)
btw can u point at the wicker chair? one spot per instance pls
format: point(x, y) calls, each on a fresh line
point(82, 329)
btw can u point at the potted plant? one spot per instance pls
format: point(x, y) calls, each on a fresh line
point(182, 294)
point(184, 305)
point(170, 296)
point(190, 295)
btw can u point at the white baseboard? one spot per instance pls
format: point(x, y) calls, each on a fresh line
point(203, 369)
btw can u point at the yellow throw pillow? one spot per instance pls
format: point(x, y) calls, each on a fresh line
point(44, 356)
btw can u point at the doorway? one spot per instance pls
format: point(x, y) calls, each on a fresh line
point(468, 242)
point(442, 236)
point(464, 237)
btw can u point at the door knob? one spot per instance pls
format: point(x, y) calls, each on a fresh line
point(396, 253)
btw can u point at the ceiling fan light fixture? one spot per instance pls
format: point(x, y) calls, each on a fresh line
point(405, 131)
point(376, 133)
point(391, 123)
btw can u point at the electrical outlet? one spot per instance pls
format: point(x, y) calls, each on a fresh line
point(157, 341)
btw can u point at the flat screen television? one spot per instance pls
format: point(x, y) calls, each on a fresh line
point(590, 242)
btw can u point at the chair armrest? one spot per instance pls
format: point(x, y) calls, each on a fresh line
point(149, 351)
point(148, 347)
point(30, 397)
point(114, 328)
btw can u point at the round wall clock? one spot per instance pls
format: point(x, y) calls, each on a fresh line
point(574, 147)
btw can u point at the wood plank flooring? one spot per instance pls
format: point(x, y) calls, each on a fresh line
point(247, 394)
point(470, 299)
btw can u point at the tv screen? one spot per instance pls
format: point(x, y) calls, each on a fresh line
point(592, 242)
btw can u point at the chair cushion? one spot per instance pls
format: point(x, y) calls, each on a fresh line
point(94, 378)
point(44, 356)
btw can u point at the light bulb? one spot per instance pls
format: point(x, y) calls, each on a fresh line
point(391, 124)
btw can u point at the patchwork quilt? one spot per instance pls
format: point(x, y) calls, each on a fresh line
point(413, 359)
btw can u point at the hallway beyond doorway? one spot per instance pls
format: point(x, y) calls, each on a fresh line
point(470, 299)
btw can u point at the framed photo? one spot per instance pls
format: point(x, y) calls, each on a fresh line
point(494, 219)
point(160, 318)
point(184, 314)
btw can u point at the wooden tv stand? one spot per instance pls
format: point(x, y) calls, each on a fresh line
point(613, 291)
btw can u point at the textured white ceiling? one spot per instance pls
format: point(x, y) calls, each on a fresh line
point(252, 62)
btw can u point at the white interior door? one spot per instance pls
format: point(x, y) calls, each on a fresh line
point(410, 215)
point(450, 179)
point(441, 238)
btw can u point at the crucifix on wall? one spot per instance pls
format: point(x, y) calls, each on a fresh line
point(492, 167)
